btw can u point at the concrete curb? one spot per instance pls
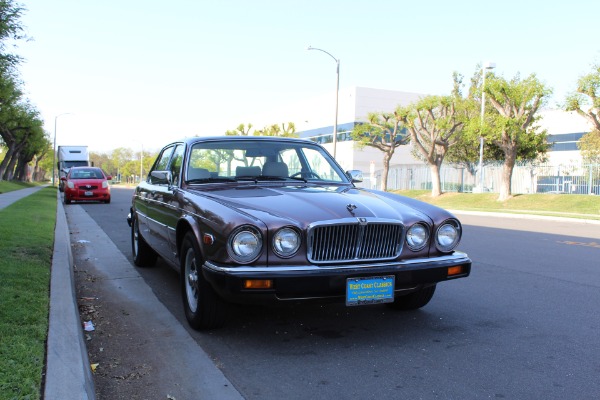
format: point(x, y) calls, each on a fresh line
point(68, 373)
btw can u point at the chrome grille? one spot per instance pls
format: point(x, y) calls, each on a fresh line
point(351, 241)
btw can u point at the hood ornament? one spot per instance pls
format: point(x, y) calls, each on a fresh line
point(351, 208)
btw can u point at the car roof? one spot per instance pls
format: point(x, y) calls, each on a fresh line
point(195, 139)
point(84, 167)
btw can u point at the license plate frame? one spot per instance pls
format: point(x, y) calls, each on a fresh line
point(370, 290)
point(88, 193)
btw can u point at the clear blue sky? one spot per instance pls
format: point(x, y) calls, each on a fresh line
point(135, 72)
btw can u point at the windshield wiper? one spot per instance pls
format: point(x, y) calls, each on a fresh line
point(272, 178)
point(246, 178)
point(299, 178)
point(210, 180)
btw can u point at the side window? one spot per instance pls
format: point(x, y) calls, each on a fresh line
point(176, 162)
point(290, 157)
point(161, 164)
point(320, 166)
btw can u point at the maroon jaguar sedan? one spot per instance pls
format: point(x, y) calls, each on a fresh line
point(274, 220)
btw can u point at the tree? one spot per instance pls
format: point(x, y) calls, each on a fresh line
point(435, 123)
point(104, 161)
point(21, 129)
point(241, 130)
point(589, 145)
point(465, 152)
point(586, 102)
point(385, 132)
point(284, 130)
point(36, 145)
point(119, 158)
point(44, 161)
point(276, 130)
point(10, 30)
point(516, 103)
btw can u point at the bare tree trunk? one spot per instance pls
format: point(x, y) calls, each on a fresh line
point(436, 183)
point(10, 168)
point(7, 157)
point(386, 170)
point(507, 170)
point(21, 170)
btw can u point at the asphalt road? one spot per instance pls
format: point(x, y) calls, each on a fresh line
point(524, 325)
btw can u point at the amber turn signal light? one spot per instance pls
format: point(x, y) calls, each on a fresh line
point(208, 239)
point(258, 284)
point(455, 270)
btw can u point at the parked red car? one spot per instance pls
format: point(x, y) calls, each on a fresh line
point(86, 184)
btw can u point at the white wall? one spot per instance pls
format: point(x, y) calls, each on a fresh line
point(559, 122)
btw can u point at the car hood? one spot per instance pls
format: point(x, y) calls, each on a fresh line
point(306, 204)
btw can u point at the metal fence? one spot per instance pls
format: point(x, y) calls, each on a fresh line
point(526, 178)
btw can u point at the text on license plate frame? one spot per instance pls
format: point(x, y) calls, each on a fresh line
point(88, 193)
point(370, 290)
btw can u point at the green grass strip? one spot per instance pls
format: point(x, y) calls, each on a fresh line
point(581, 206)
point(26, 246)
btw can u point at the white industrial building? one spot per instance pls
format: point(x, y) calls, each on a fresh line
point(314, 118)
point(565, 129)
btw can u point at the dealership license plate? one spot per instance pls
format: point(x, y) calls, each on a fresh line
point(370, 290)
point(88, 193)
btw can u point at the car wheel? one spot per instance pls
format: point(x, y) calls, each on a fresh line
point(67, 201)
point(143, 255)
point(203, 307)
point(107, 201)
point(414, 300)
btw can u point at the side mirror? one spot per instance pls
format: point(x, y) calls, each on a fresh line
point(109, 178)
point(63, 178)
point(355, 175)
point(161, 177)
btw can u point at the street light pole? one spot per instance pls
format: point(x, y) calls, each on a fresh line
point(54, 148)
point(484, 68)
point(337, 93)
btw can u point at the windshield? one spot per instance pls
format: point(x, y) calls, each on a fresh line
point(259, 160)
point(86, 173)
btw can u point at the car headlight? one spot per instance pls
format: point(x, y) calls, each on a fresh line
point(245, 244)
point(104, 184)
point(286, 242)
point(448, 235)
point(70, 184)
point(417, 237)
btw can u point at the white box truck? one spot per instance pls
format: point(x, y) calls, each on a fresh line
point(71, 156)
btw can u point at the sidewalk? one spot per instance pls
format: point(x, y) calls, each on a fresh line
point(68, 374)
point(6, 199)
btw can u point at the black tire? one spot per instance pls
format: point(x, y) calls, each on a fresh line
point(143, 255)
point(67, 201)
point(204, 309)
point(414, 300)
